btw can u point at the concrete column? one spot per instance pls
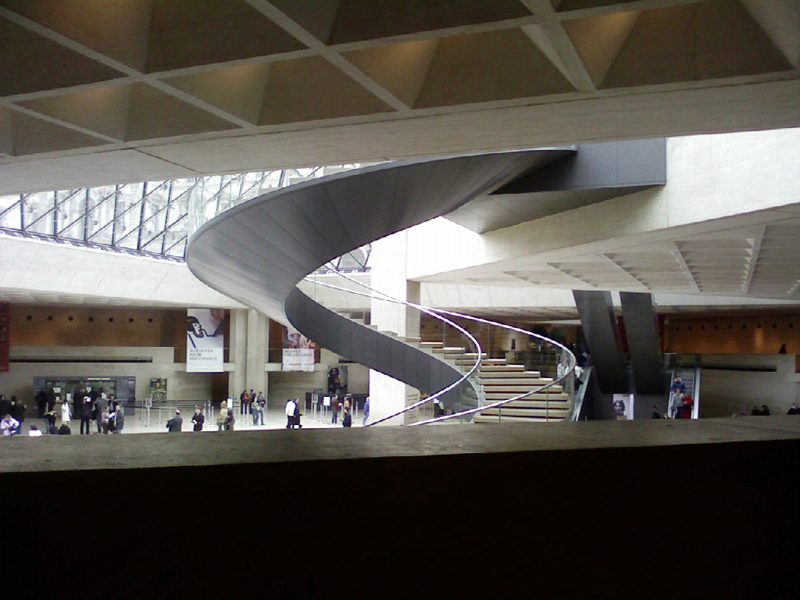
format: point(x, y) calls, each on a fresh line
point(257, 333)
point(388, 264)
point(238, 352)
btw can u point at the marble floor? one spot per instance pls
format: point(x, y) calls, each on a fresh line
point(274, 418)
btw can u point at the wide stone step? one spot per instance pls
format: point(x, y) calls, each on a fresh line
point(509, 419)
point(490, 368)
point(526, 412)
point(494, 375)
point(515, 383)
point(537, 403)
point(553, 396)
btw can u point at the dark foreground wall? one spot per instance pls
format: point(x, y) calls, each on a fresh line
point(696, 521)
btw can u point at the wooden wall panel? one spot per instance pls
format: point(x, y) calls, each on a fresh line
point(33, 325)
point(735, 334)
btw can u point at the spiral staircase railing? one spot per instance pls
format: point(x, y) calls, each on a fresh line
point(438, 314)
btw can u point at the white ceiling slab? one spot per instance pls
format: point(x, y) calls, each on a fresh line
point(85, 170)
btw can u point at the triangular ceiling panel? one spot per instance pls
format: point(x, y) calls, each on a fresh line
point(309, 89)
point(187, 33)
point(114, 28)
point(400, 68)
point(31, 63)
point(236, 90)
point(32, 136)
point(102, 110)
point(357, 20)
point(496, 65)
point(705, 40)
point(155, 114)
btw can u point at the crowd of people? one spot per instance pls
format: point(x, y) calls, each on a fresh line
point(253, 404)
point(87, 405)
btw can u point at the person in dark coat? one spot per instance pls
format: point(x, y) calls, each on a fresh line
point(117, 419)
point(198, 419)
point(17, 411)
point(86, 414)
point(5, 406)
point(296, 416)
point(175, 424)
point(101, 407)
point(41, 403)
point(347, 419)
point(50, 420)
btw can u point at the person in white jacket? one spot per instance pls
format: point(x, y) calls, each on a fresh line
point(8, 425)
point(291, 407)
point(66, 414)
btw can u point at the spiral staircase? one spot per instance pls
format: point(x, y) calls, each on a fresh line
point(258, 252)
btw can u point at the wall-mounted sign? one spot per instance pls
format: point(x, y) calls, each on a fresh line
point(205, 340)
point(298, 351)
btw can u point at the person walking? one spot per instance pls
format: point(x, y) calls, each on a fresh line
point(175, 424)
point(257, 411)
point(347, 418)
point(18, 409)
point(8, 425)
point(5, 406)
point(290, 408)
point(335, 409)
point(366, 411)
point(117, 419)
point(198, 419)
point(49, 420)
point(101, 408)
point(86, 415)
point(262, 403)
point(223, 416)
point(66, 413)
point(676, 391)
point(297, 414)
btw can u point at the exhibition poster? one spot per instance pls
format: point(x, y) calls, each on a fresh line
point(205, 343)
point(298, 351)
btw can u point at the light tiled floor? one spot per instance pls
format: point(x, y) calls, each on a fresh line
point(274, 418)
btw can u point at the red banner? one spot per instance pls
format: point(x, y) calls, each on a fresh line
point(5, 336)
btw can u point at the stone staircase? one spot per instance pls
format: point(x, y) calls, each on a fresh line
point(501, 381)
point(497, 380)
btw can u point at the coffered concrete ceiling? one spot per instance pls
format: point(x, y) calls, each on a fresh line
point(172, 88)
point(733, 267)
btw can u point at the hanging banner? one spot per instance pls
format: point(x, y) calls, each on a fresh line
point(205, 340)
point(298, 351)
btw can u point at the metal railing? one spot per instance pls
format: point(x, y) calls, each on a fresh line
point(442, 316)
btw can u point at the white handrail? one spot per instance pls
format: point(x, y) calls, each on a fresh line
point(437, 313)
point(388, 298)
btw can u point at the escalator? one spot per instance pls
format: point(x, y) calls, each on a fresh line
point(690, 377)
